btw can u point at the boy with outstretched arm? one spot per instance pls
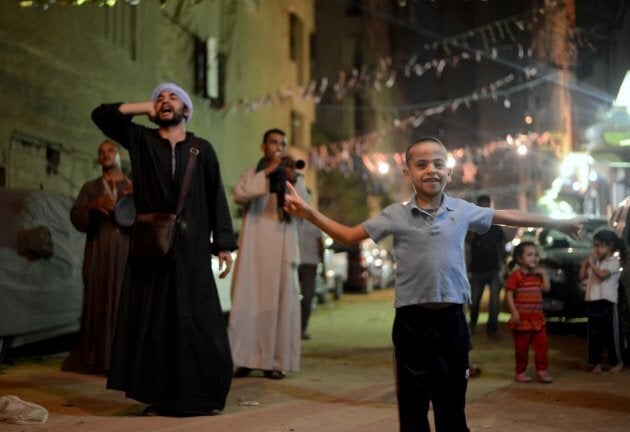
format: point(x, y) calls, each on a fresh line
point(430, 333)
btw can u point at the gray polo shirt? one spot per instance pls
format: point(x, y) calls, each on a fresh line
point(429, 249)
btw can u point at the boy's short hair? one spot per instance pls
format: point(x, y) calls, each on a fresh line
point(419, 141)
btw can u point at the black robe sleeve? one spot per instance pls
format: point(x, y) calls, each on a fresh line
point(221, 221)
point(113, 123)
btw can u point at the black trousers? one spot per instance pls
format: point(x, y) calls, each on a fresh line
point(307, 274)
point(431, 350)
point(603, 332)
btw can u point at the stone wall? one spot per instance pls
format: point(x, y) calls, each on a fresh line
point(59, 63)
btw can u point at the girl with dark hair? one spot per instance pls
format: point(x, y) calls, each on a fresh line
point(600, 270)
point(524, 287)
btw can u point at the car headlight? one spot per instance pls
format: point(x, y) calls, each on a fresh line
point(556, 275)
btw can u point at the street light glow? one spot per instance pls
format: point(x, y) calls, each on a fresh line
point(450, 161)
point(623, 97)
point(383, 167)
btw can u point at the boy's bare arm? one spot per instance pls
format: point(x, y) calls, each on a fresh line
point(344, 234)
point(524, 219)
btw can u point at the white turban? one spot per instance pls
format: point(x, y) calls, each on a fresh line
point(180, 92)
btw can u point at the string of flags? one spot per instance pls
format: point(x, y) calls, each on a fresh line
point(387, 71)
point(45, 4)
point(465, 157)
point(342, 155)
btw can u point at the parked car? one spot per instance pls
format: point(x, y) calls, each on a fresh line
point(347, 269)
point(334, 269)
point(620, 223)
point(380, 264)
point(359, 268)
point(620, 220)
point(41, 255)
point(562, 255)
point(41, 259)
point(359, 279)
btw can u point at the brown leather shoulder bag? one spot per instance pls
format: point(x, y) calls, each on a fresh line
point(153, 234)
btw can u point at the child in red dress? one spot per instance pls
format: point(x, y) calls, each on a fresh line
point(524, 287)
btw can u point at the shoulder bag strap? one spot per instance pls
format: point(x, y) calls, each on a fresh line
point(192, 158)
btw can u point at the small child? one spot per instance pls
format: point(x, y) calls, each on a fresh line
point(430, 331)
point(524, 287)
point(600, 270)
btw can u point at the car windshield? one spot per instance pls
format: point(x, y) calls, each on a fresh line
point(551, 238)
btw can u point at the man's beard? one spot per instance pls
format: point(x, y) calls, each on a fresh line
point(177, 118)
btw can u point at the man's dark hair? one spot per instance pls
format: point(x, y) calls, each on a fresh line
point(272, 131)
point(419, 141)
point(484, 200)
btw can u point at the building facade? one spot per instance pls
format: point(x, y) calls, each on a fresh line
point(244, 63)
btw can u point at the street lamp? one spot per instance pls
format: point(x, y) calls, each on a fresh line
point(383, 168)
point(450, 161)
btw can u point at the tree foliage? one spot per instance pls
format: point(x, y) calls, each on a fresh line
point(342, 198)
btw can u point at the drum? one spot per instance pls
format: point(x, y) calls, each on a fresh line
point(125, 211)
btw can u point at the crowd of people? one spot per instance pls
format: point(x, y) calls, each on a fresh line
point(154, 326)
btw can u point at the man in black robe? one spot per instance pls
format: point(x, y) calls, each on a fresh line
point(171, 349)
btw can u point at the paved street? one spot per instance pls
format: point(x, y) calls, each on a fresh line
point(346, 384)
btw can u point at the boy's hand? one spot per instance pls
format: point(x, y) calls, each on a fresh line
point(294, 204)
point(570, 227)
